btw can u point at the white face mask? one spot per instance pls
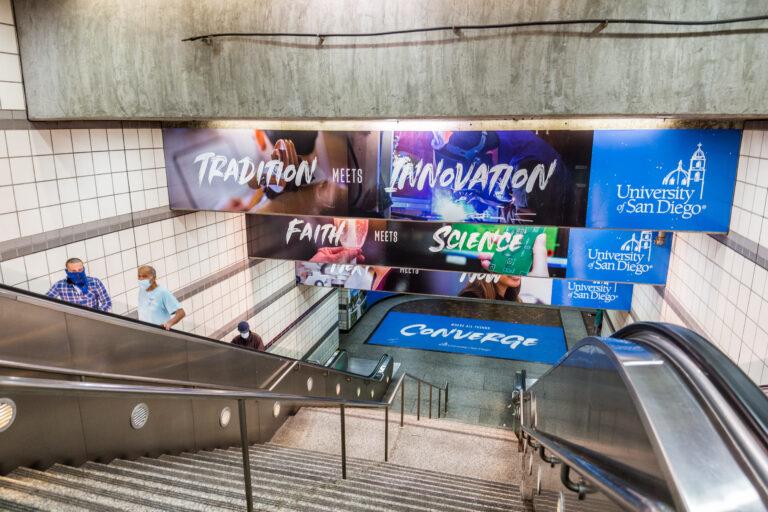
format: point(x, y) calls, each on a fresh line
point(245, 335)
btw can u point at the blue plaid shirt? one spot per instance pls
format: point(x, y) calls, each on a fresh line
point(96, 298)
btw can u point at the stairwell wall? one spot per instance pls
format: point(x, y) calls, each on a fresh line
point(97, 191)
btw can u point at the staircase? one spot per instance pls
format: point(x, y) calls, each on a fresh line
point(284, 478)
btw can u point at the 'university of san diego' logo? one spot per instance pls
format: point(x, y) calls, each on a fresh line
point(634, 255)
point(593, 290)
point(677, 194)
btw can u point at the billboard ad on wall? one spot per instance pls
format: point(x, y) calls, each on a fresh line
point(614, 179)
point(554, 292)
point(480, 248)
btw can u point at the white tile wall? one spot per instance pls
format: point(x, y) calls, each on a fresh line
point(46, 170)
point(299, 342)
point(722, 291)
point(11, 90)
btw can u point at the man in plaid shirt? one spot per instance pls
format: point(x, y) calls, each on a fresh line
point(80, 289)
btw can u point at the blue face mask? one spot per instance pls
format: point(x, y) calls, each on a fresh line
point(245, 335)
point(144, 284)
point(78, 279)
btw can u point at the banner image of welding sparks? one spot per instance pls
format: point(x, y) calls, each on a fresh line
point(555, 292)
point(273, 171)
point(480, 248)
point(498, 177)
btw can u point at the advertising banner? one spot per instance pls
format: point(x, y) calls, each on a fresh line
point(554, 292)
point(623, 256)
point(479, 248)
point(680, 180)
point(613, 179)
point(273, 171)
point(471, 336)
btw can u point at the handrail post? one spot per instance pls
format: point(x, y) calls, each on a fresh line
point(386, 434)
point(446, 399)
point(246, 455)
point(439, 394)
point(402, 402)
point(430, 401)
point(343, 445)
point(418, 401)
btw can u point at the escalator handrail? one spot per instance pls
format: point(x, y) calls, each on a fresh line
point(16, 365)
point(602, 480)
point(736, 410)
point(749, 402)
point(68, 387)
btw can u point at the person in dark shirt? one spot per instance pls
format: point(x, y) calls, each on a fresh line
point(247, 338)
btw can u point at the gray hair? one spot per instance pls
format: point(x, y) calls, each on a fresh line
point(151, 269)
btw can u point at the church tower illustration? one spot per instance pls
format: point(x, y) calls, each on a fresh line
point(639, 245)
point(693, 176)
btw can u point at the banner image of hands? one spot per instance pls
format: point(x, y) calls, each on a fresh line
point(671, 180)
point(273, 171)
point(476, 248)
point(554, 292)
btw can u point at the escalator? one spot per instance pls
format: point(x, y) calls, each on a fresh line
point(652, 418)
point(43, 338)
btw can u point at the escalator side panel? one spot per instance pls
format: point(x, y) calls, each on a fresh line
point(33, 334)
point(228, 366)
point(143, 351)
point(109, 435)
point(210, 434)
point(585, 402)
point(47, 429)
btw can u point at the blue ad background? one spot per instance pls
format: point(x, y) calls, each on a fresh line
point(621, 291)
point(644, 158)
point(549, 348)
point(580, 266)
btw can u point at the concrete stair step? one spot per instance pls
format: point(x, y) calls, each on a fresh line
point(9, 502)
point(374, 495)
point(378, 476)
point(324, 496)
point(482, 453)
point(41, 497)
point(207, 488)
point(140, 483)
point(224, 485)
point(416, 473)
point(335, 459)
point(104, 494)
point(406, 492)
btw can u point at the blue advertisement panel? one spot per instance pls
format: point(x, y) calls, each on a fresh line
point(622, 256)
point(592, 294)
point(680, 180)
point(471, 336)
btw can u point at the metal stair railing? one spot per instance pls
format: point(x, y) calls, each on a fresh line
point(58, 387)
